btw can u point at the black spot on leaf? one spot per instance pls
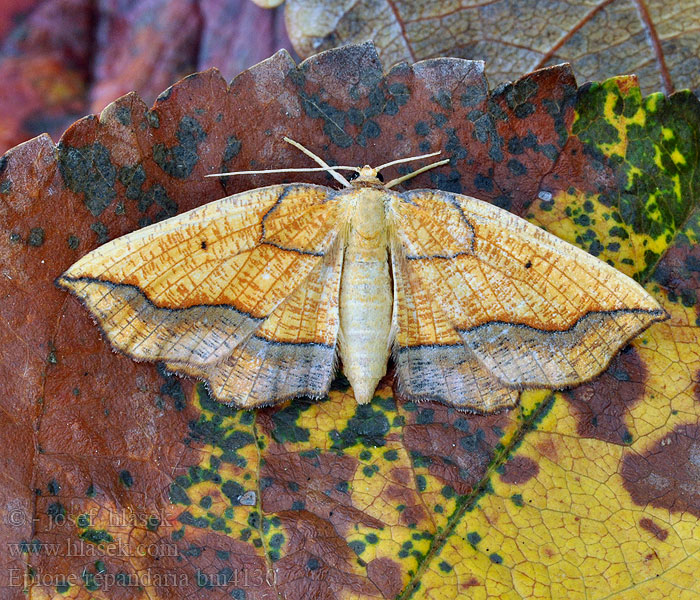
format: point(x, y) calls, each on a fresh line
point(88, 170)
point(36, 237)
point(179, 160)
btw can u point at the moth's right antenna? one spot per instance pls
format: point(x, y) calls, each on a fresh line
point(398, 180)
point(408, 159)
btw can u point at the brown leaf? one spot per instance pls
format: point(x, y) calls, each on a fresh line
point(601, 39)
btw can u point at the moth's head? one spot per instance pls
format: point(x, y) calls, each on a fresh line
point(366, 177)
point(371, 177)
point(362, 176)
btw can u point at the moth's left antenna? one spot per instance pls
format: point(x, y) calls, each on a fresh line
point(324, 167)
point(319, 160)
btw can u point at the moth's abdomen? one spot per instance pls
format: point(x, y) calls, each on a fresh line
point(365, 300)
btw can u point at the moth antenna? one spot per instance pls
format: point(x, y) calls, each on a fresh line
point(398, 180)
point(277, 171)
point(403, 160)
point(320, 161)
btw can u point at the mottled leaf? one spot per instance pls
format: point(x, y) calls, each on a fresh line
point(131, 483)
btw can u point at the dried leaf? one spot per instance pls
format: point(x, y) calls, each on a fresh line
point(656, 40)
point(573, 494)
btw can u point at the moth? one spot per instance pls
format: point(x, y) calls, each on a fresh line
point(259, 293)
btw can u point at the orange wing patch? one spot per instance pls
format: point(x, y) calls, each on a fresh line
point(247, 251)
point(529, 309)
point(432, 362)
point(291, 353)
point(199, 291)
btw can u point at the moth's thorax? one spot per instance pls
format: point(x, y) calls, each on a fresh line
point(367, 219)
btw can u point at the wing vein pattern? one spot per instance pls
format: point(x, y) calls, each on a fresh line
point(241, 292)
point(513, 306)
